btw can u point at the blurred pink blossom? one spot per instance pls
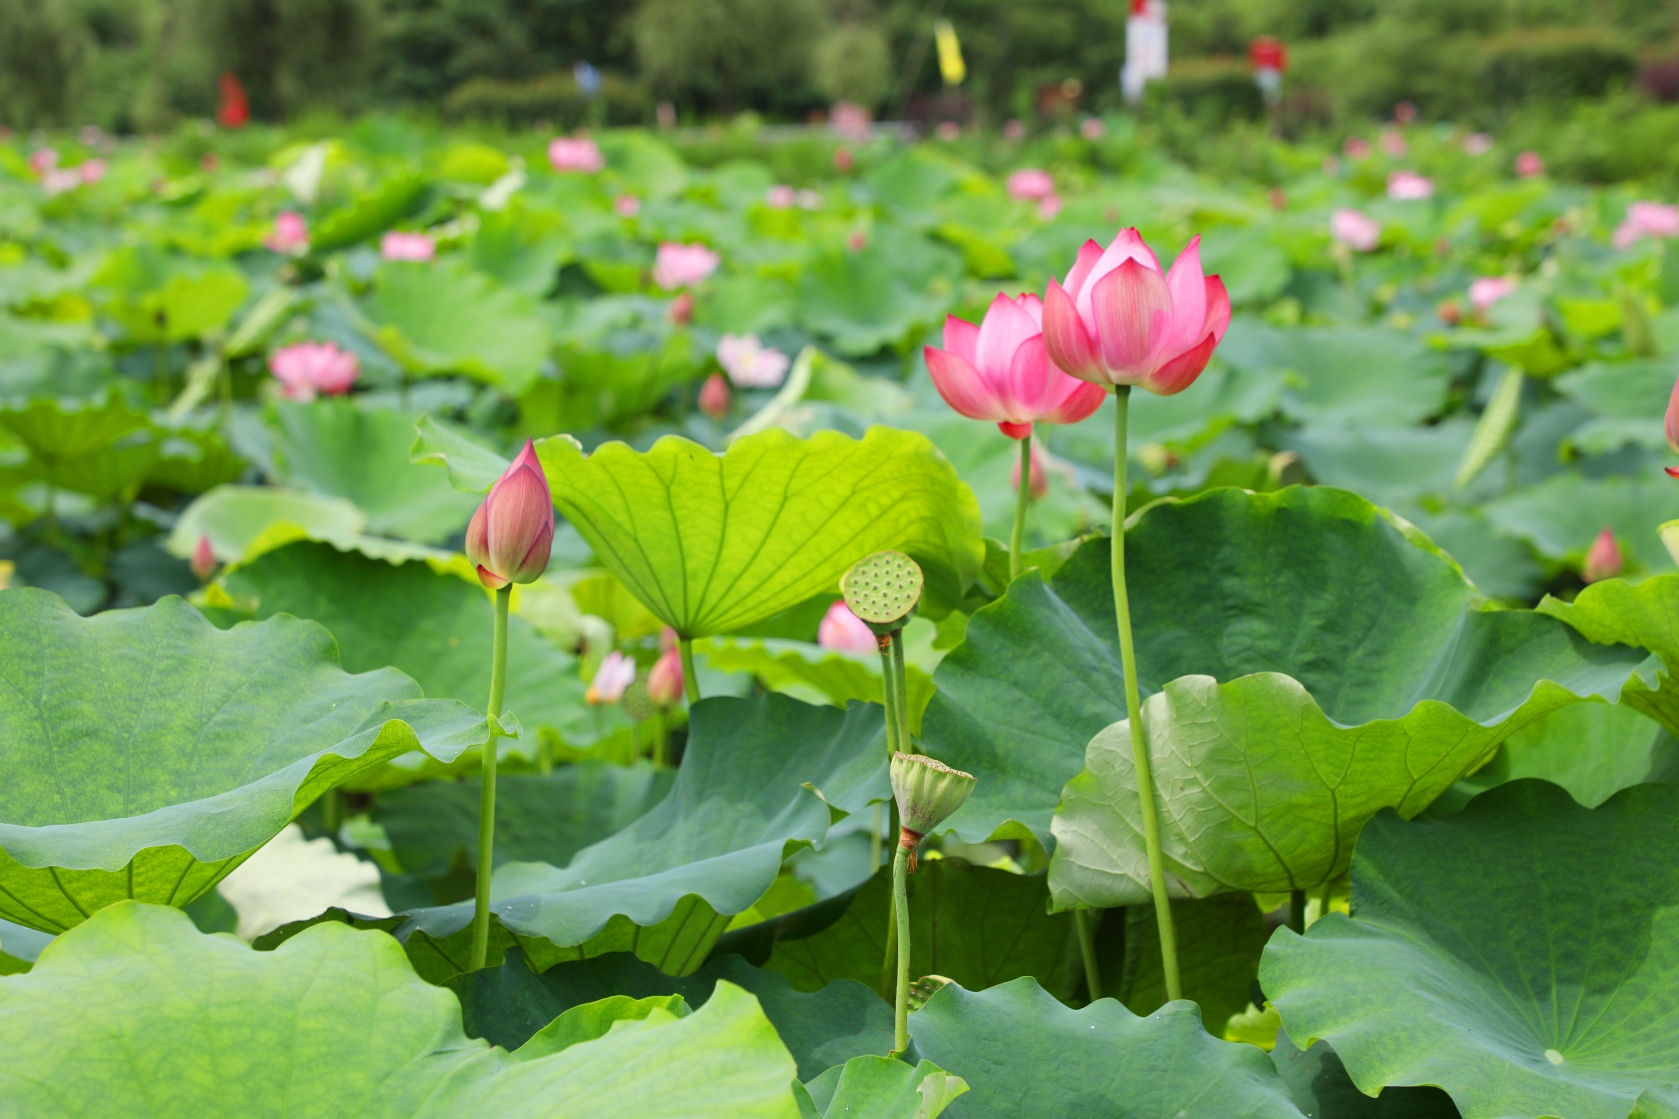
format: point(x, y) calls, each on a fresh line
point(845, 632)
point(567, 154)
point(1014, 131)
point(714, 396)
point(681, 309)
point(1647, 219)
point(1356, 230)
point(616, 672)
point(42, 160)
point(1408, 186)
point(1487, 290)
point(92, 170)
point(57, 180)
point(1092, 128)
point(291, 233)
point(626, 205)
point(849, 120)
point(1049, 206)
point(397, 245)
point(948, 130)
point(843, 160)
point(679, 266)
point(1393, 143)
point(781, 197)
point(308, 368)
point(749, 363)
point(1356, 147)
point(1030, 184)
point(1477, 143)
point(856, 241)
point(1529, 165)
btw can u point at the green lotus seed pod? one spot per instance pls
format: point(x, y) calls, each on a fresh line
point(638, 705)
point(884, 590)
point(927, 791)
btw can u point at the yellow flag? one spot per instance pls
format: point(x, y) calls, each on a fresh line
point(951, 65)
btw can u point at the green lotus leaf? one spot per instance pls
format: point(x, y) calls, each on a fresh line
point(157, 298)
point(871, 1087)
point(1626, 400)
point(809, 671)
point(148, 753)
point(864, 301)
point(237, 517)
point(371, 213)
point(337, 449)
point(432, 624)
point(508, 1004)
point(1244, 588)
point(1219, 939)
point(711, 543)
point(1373, 375)
point(450, 319)
point(1522, 955)
point(1561, 517)
point(1646, 614)
point(473, 467)
point(98, 447)
point(596, 1019)
point(1023, 1053)
point(203, 1026)
point(1322, 1090)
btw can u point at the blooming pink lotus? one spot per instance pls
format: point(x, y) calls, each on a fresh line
point(396, 245)
point(1603, 560)
point(1037, 478)
point(616, 672)
point(665, 682)
point(1477, 143)
point(1121, 321)
point(291, 234)
point(714, 396)
point(583, 156)
point(1000, 370)
point(1030, 184)
point(92, 170)
point(750, 364)
point(845, 632)
point(1408, 186)
point(1529, 165)
point(308, 368)
point(626, 205)
point(509, 537)
point(1356, 230)
point(1647, 219)
point(1487, 290)
point(781, 197)
point(679, 266)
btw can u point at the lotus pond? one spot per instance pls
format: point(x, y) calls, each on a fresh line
point(510, 627)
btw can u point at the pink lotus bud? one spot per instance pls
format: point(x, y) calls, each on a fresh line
point(1356, 148)
point(1604, 561)
point(1039, 479)
point(509, 536)
point(665, 682)
point(1092, 128)
point(291, 234)
point(681, 310)
point(1671, 425)
point(583, 156)
point(714, 396)
point(396, 245)
point(679, 266)
point(1487, 290)
point(1278, 198)
point(203, 559)
point(1357, 231)
point(92, 171)
point(1529, 165)
point(1121, 320)
point(1030, 184)
point(308, 368)
point(1000, 371)
point(668, 639)
point(781, 197)
point(1477, 143)
point(209, 162)
point(1408, 186)
point(626, 205)
point(611, 678)
point(749, 364)
point(845, 632)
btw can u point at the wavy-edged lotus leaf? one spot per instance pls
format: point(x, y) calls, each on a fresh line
point(188, 1024)
point(432, 624)
point(1562, 515)
point(473, 467)
point(1322, 1089)
point(148, 753)
point(1024, 1053)
point(807, 670)
point(1523, 955)
point(711, 543)
point(869, 1087)
point(450, 319)
point(236, 517)
point(97, 447)
point(1374, 375)
point(758, 780)
point(509, 1003)
point(1646, 614)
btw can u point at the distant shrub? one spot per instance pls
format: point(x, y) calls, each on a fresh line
point(42, 53)
point(1554, 65)
point(550, 97)
point(1214, 92)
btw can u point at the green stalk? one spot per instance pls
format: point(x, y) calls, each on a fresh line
point(889, 691)
point(1134, 707)
point(332, 812)
point(1297, 911)
point(1087, 920)
point(1021, 501)
point(690, 679)
point(889, 698)
point(487, 799)
point(900, 1018)
point(906, 744)
point(874, 839)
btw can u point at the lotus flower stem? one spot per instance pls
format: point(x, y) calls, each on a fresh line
point(900, 905)
point(1134, 707)
point(905, 743)
point(889, 696)
point(874, 838)
point(487, 798)
point(1297, 911)
point(1087, 920)
point(690, 678)
point(1021, 500)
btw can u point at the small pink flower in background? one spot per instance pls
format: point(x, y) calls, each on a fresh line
point(1477, 143)
point(681, 309)
point(679, 266)
point(849, 120)
point(1604, 560)
point(583, 156)
point(1121, 321)
point(1529, 165)
point(843, 160)
point(845, 632)
point(616, 672)
point(396, 245)
point(1647, 219)
point(714, 396)
point(203, 559)
point(665, 682)
point(92, 170)
point(1357, 231)
point(1000, 370)
point(781, 197)
point(310, 368)
point(1393, 143)
point(291, 234)
point(626, 205)
point(1030, 184)
point(1039, 479)
point(948, 130)
point(1487, 290)
point(808, 200)
point(1092, 128)
point(750, 364)
point(1356, 148)
point(1049, 206)
point(1014, 131)
point(1450, 313)
point(42, 160)
point(1405, 112)
point(57, 180)
point(856, 241)
point(1408, 186)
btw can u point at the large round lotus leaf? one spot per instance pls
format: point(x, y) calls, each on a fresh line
point(1561, 517)
point(1023, 1053)
point(1647, 614)
point(1312, 625)
point(1523, 955)
point(137, 1013)
point(145, 753)
point(450, 319)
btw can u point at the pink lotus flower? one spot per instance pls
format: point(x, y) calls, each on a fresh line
point(679, 266)
point(1670, 425)
point(396, 245)
point(57, 180)
point(291, 234)
point(1000, 371)
point(1487, 290)
point(1393, 143)
point(1604, 560)
point(1357, 231)
point(626, 205)
point(1092, 128)
point(750, 364)
point(42, 160)
point(92, 170)
point(203, 559)
point(616, 672)
point(308, 368)
point(1049, 206)
point(850, 120)
point(1477, 143)
point(1408, 186)
point(714, 396)
point(566, 154)
point(781, 197)
point(509, 537)
point(665, 682)
point(1121, 321)
point(1647, 219)
point(1356, 148)
point(845, 632)
point(1529, 165)
point(1037, 479)
point(856, 241)
point(1030, 184)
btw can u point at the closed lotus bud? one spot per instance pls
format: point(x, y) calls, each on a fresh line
point(1671, 425)
point(1604, 561)
point(714, 396)
point(927, 792)
point(665, 683)
point(884, 590)
point(681, 309)
point(510, 535)
point(203, 559)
